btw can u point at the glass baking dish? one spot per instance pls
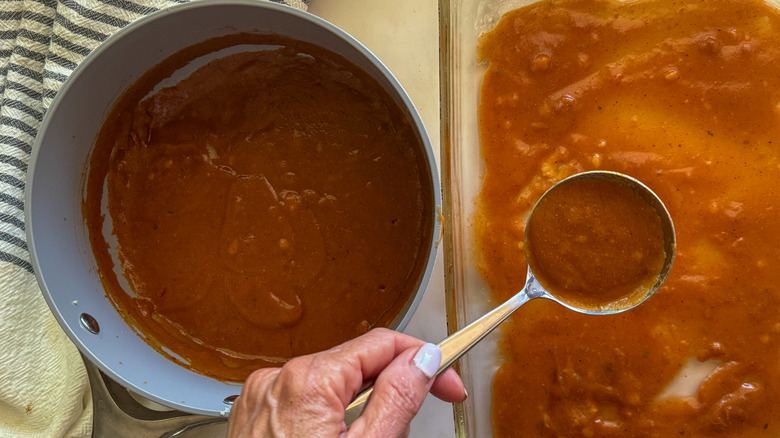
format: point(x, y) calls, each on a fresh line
point(467, 295)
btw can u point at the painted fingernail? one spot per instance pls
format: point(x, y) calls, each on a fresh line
point(428, 359)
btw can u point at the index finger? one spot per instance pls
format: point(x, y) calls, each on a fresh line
point(363, 358)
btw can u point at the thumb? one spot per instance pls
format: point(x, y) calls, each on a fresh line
point(399, 392)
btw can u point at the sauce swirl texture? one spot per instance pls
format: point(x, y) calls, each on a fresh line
point(271, 204)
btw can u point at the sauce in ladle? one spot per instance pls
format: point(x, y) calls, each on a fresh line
point(595, 243)
point(628, 234)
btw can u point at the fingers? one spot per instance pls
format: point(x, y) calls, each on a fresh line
point(398, 394)
point(369, 354)
point(307, 396)
point(372, 352)
point(449, 387)
point(364, 358)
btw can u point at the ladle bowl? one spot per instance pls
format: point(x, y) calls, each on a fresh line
point(456, 345)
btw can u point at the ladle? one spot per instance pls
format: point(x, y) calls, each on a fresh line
point(456, 345)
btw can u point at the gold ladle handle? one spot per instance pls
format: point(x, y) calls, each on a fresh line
point(459, 343)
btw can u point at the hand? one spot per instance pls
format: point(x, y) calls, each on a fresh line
point(308, 395)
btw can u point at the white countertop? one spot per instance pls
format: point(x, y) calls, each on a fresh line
point(404, 34)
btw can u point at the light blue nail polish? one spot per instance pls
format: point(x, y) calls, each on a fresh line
point(428, 359)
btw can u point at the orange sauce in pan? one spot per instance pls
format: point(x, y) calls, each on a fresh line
point(682, 95)
point(272, 204)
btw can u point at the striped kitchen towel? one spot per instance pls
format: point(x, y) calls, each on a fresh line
point(44, 390)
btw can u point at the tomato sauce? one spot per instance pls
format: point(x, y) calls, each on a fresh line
point(273, 203)
point(682, 95)
point(595, 243)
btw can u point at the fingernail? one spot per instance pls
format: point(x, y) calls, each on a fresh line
point(428, 359)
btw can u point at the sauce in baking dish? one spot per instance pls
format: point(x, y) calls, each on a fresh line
point(682, 95)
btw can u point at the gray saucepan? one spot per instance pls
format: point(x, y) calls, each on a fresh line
point(57, 236)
